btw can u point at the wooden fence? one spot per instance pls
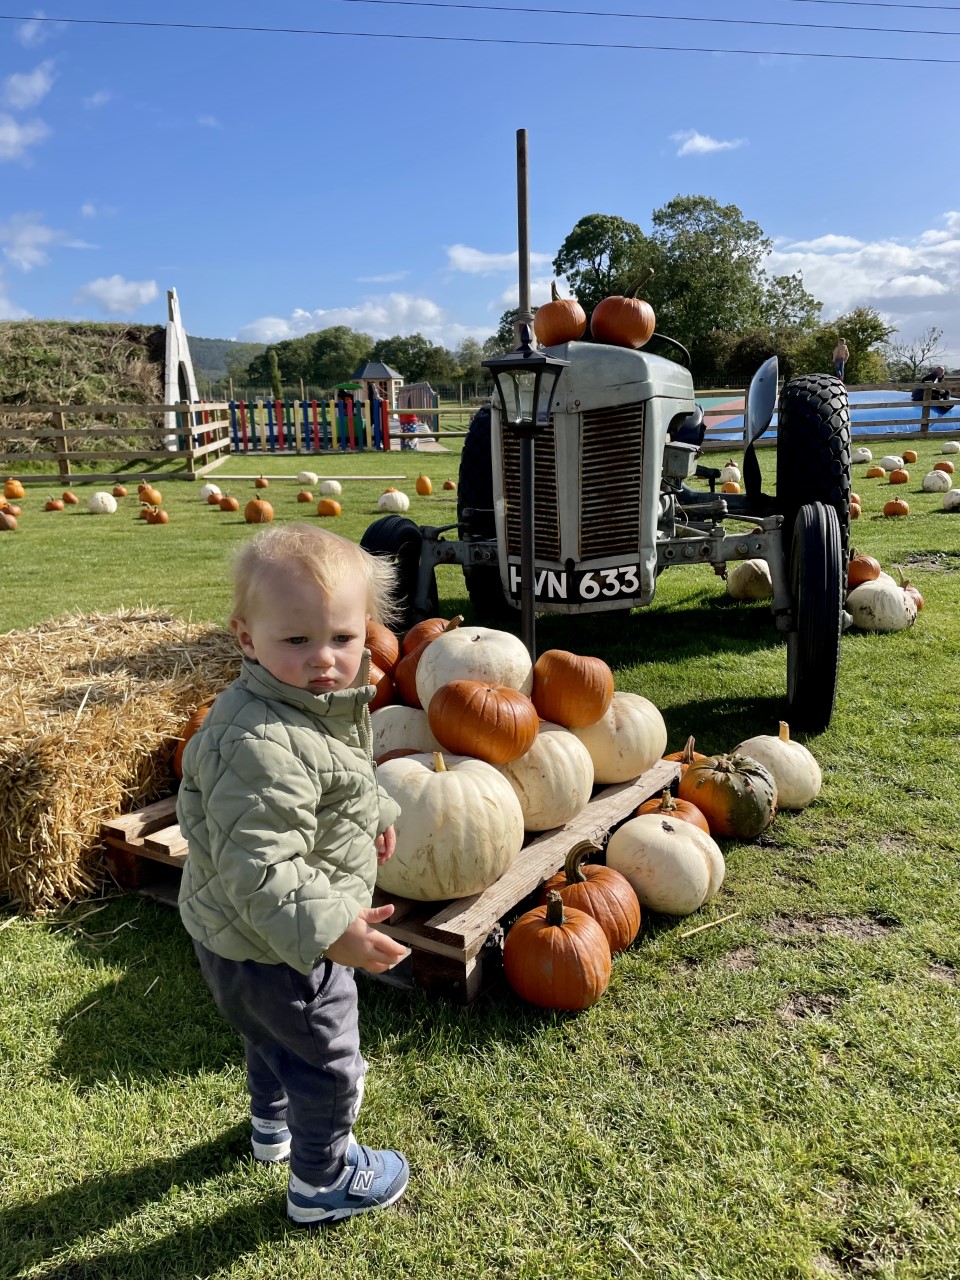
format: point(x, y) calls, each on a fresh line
point(199, 435)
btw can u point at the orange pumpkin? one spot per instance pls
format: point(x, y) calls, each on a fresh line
point(8, 523)
point(405, 672)
point(559, 320)
point(601, 892)
point(13, 489)
point(258, 511)
point(623, 322)
point(862, 569)
point(384, 688)
point(736, 795)
point(489, 722)
point(855, 511)
point(261, 482)
point(571, 690)
point(557, 957)
point(213, 499)
point(151, 495)
point(669, 807)
point(53, 504)
point(69, 498)
point(855, 497)
point(328, 507)
point(383, 645)
point(944, 465)
point(12, 509)
point(119, 491)
point(193, 723)
point(899, 476)
point(896, 507)
point(450, 484)
point(428, 629)
point(304, 496)
point(875, 472)
point(157, 515)
point(910, 455)
point(729, 486)
point(424, 486)
point(227, 503)
point(686, 757)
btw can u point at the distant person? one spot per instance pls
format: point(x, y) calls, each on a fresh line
point(841, 354)
point(936, 393)
point(286, 825)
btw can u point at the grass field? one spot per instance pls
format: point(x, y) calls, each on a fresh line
point(774, 1098)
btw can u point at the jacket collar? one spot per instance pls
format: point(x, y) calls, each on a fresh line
point(338, 702)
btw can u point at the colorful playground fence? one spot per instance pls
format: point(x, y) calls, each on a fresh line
point(308, 426)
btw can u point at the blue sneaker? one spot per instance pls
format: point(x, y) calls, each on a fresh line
point(369, 1180)
point(270, 1143)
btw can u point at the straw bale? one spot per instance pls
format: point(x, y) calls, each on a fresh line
point(93, 705)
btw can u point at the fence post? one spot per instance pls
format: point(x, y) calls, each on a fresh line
point(925, 411)
point(191, 444)
point(63, 462)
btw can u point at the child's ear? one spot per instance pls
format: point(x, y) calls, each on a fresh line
point(239, 628)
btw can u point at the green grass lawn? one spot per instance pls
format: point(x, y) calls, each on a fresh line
point(773, 1098)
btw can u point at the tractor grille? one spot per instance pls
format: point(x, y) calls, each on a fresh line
point(611, 471)
point(546, 510)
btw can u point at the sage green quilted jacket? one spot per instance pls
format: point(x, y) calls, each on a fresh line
point(280, 806)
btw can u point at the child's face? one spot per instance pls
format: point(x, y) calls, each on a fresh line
point(301, 635)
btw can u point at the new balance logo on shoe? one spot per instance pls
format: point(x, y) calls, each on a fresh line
point(362, 1183)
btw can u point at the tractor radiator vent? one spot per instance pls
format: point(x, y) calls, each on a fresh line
point(611, 469)
point(546, 510)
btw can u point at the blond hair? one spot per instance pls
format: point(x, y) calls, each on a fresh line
point(326, 558)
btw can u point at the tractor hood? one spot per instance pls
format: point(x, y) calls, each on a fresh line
point(601, 375)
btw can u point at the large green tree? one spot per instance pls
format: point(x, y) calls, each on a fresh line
point(602, 255)
point(417, 358)
point(865, 334)
point(321, 359)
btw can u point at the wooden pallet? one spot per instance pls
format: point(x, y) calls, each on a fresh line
point(455, 946)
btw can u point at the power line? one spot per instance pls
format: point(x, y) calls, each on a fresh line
point(650, 17)
point(502, 40)
point(881, 4)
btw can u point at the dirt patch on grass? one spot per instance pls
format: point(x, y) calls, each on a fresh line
point(860, 928)
point(934, 561)
point(805, 1004)
point(941, 972)
point(740, 959)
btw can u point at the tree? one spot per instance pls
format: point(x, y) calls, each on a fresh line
point(337, 354)
point(603, 255)
point(786, 304)
point(417, 358)
point(866, 335)
point(907, 360)
point(708, 261)
point(469, 355)
point(275, 383)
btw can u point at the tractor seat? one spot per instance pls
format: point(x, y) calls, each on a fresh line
point(689, 429)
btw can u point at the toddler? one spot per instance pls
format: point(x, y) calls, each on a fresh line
point(286, 824)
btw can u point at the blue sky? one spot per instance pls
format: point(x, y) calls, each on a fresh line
point(282, 183)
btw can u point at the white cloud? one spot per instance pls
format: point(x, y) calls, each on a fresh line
point(460, 257)
point(693, 143)
point(389, 277)
point(383, 317)
point(98, 99)
point(89, 209)
point(209, 122)
point(9, 309)
point(539, 292)
point(26, 241)
point(912, 283)
point(16, 137)
point(116, 296)
point(26, 88)
point(33, 33)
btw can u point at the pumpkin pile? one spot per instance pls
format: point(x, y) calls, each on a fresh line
point(876, 601)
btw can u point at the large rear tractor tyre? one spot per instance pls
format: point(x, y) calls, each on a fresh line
point(476, 520)
point(817, 580)
point(813, 451)
point(400, 538)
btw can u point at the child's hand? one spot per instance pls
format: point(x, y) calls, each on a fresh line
point(360, 947)
point(385, 844)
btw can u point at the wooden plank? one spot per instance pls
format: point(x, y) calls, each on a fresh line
point(135, 848)
point(152, 817)
point(465, 920)
point(168, 841)
point(70, 410)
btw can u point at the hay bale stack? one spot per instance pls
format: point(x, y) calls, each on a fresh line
point(92, 708)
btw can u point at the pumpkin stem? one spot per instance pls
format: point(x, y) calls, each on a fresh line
point(555, 914)
point(904, 582)
point(784, 731)
point(688, 751)
point(554, 292)
point(667, 802)
point(638, 284)
point(438, 765)
point(453, 623)
point(575, 858)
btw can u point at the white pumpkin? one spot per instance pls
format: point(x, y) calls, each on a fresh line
point(936, 482)
point(395, 501)
point(750, 580)
point(673, 866)
point(731, 473)
point(862, 454)
point(102, 503)
point(629, 738)
point(553, 781)
point(308, 479)
point(207, 491)
point(474, 653)
point(396, 727)
point(459, 829)
point(892, 462)
point(951, 500)
point(950, 446)
point(794, 769)
point(331, 488)
point(881, 606)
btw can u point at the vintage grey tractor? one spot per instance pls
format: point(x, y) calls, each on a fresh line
point(613, 506)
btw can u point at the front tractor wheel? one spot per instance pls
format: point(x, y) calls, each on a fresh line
point(400, 538)
point(813, 450)
point(817, 579)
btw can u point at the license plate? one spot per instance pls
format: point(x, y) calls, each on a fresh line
point(580, 586)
